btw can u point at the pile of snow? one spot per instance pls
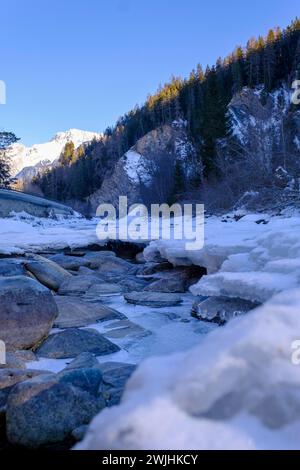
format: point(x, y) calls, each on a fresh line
point(23, 157)
point(253, 258)
point(23, 233)
point(238, 389)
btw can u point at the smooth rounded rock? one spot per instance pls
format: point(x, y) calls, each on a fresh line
point(71, 342)
point(27, 312)
point(46, 271)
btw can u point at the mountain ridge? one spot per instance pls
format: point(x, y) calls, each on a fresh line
point(22, 156)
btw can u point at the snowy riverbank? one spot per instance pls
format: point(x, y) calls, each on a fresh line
point(238, 387)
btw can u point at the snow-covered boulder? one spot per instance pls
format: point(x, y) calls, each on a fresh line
point(244, 259)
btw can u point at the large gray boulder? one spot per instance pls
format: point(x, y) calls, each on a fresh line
point(153, 299)
point(71, 342)
point(27, 312)
point(46, 271)
point(74, 313)
point(46, 409)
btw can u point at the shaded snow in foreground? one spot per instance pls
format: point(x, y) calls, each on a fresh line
point(237, 390)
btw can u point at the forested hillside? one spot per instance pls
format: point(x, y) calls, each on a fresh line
point(202, 100)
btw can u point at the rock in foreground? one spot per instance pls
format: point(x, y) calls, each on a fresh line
point(45, 410)
point(27, 312)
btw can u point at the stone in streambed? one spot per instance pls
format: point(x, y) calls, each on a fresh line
point(75, 312)
point(220, 309)
point(27, 312)
point(84, 360)
point(79, 285)
point(71, 342)
point(46, 271)
point(103, 289)
point(114, 378)
point(87, 379)
point(153, 299)
point(72, 263)
point(11, 267)
point(10, 377)
point(169, 285)
point(124, 328)
point(79, 433)
point(18, 359)
point(46, 409)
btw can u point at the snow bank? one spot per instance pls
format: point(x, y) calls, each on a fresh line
point(22, 232)
point(253, 258)
point(237, 390)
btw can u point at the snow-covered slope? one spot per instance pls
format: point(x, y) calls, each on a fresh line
point(22, 157)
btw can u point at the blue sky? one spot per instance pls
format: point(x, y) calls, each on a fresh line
point(75, 63)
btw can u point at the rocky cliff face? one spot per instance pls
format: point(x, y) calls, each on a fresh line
point(136, 172)
point(252, 109)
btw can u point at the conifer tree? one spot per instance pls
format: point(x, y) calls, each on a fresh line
point(6, 139)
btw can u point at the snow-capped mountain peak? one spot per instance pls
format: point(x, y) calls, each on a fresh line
point(23, 157)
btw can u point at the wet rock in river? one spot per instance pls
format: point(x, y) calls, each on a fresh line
point(46, 271)
point(88, 379)
point(73, 341)
point(153, 299)
point(72, 263)
point(84, 360)
point(114, 378)
point(10, 377)
point(74, 312)
point(46, 409)
point(18, 359)
point(78, 285)
point(11, 267)
point(103, 289)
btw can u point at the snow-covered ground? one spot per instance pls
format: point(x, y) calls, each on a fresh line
point(253, 258)
point(22, 232)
